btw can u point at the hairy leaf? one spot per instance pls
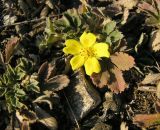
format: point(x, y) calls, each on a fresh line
point(48, 98)
point(56, 83)
point(45, 118)
point(122, 60)
point(46, 71)
point(26, 115)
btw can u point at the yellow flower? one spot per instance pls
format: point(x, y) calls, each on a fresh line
point(87, 52)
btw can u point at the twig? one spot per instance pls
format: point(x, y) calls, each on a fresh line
point(140, 72)
point(147, 89)
point(29, 21)
point(71, 111)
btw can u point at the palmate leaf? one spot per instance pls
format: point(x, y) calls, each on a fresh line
point(111, 32)
point(73, 17)
point(48, 80)
point(122, 60)
point(46, 71)
point(56, 83)
point(116, 35)
point(116, 82)
point(110, 77)
point(109, 27)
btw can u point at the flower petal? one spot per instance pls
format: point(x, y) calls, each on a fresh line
point(77, 61)
point(87, 39)
point(72, 47)
point(92, 65)
point(101, 49)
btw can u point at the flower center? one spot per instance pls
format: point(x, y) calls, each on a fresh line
point(87, 52)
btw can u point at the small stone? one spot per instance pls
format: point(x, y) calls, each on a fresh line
point(101, 126)
point(82, 97)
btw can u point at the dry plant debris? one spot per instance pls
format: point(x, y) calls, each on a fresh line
point(79, 64)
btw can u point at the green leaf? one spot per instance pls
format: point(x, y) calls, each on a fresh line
point(73, 18)
point(24, 66)
point(13, 101)
point(2, 91)
point(116, 35)
point(49, 26)
point(109, 27)
point(56, 83)
point(108, 40)
point(63, 22)
point(31, 83)
point(20, 92)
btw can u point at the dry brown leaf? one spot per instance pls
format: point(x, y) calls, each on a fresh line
point(155, 41)
point(129, 4)
point(46, 71)
point(113, 78)
point(124, 126)
point(116, 82)
point(45, 118)
point(110, 103)
point(147, 7)
point(157, 106)
point(122, 60)
point(100, 79)
point(10, 48)
point(56, 83)
point(25, 125)
point(145, 120)
point(151, 79)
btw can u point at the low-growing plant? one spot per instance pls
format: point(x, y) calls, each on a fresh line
point(99, 37)
point(13, 88)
